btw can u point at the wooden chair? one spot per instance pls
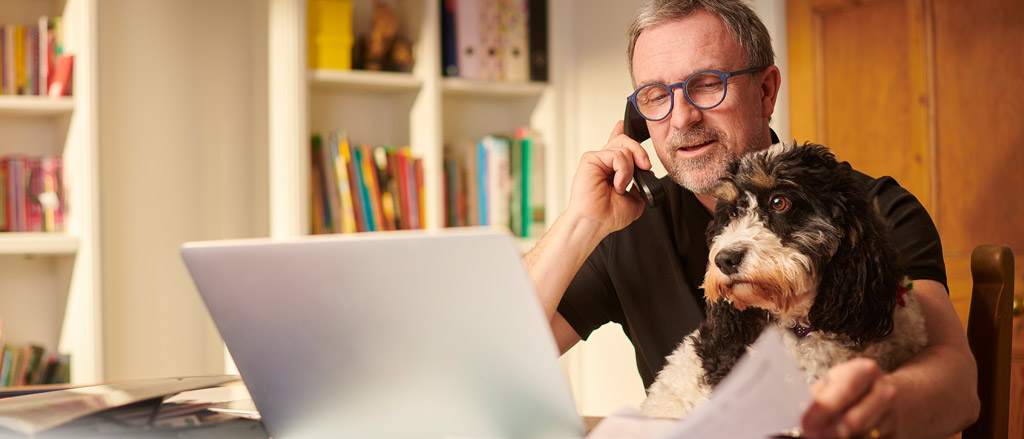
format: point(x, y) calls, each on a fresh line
point(989, 334)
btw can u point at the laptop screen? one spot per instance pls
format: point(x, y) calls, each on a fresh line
point(392, 334)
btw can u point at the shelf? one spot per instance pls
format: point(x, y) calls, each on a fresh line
point(37, 243)
point(466, 87)
point(363, 80)
point(35, 106)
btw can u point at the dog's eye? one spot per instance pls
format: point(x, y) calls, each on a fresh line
point(779, 204)
point(734, 213)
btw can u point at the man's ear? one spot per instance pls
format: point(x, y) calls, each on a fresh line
point(770, 83)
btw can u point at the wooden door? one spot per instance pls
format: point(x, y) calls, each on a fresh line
point(930, 92)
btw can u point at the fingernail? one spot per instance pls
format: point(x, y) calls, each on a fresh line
point(843, 432)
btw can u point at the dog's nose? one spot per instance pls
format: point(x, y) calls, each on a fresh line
point(729, 260)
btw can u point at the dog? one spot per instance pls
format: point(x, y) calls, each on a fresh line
point(794, 245)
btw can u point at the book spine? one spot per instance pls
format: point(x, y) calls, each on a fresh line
point(340, 154)
point(498, 181)
point(364, 190)
point(481, 182)
point(400, 214)
point(358, 209)
point(417, 166)
point(316, 203)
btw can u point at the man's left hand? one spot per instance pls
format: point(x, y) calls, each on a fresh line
point(855, 399)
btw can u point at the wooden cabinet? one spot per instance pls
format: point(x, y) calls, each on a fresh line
point(925, 91)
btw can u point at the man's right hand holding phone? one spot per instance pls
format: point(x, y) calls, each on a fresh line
point(599, 188)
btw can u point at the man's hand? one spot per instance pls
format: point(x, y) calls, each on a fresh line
point(934, 394)
point(854, 399)
point(599, 186)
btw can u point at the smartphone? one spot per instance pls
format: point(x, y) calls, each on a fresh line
point(635, 127)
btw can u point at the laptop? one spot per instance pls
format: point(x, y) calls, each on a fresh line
point(394, 334)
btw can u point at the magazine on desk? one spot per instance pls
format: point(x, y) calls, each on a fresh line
point(30, 415)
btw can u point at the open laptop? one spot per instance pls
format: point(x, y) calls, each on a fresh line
point(394, 334)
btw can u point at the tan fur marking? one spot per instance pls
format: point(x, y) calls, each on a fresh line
point(761, 179)
point(726, 190)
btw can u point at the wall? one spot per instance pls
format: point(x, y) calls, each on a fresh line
point(591, 38)
point(182, 84)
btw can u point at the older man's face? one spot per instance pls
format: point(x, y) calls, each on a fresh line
point(696, 146)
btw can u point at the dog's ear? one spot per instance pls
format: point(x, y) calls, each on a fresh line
point(725, 336)
point(859, 286)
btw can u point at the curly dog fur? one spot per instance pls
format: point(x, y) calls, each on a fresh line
point(794, 245)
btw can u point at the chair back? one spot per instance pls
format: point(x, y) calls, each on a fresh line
point(989, 334)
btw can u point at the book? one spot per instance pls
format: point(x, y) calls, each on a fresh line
point(497, 181)
point(338, 144)
point(60, 85)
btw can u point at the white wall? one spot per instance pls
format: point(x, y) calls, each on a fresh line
point(182, 98)
point(591, 34)
point(182, 157)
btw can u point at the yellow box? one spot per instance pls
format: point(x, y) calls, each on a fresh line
point(331, 18)
point(330, 53)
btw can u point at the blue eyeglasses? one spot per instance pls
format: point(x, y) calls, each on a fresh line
point(704, 89)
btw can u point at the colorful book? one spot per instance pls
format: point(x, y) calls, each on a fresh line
point(340, 155)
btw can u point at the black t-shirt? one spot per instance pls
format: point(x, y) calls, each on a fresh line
point(645, 277)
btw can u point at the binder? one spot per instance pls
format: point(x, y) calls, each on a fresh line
point(467, 36)
point(491, 41)
point(449, 47)
point(538, 26)
point(515, 60)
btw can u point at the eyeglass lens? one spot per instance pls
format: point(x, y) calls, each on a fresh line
point(704, 90)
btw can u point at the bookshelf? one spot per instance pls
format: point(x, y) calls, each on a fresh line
point(421, 109)
point(49, 281)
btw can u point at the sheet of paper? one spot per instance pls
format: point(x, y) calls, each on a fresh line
point(630, 423)
point(764, 394)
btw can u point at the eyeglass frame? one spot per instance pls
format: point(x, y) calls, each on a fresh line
point(724, 76)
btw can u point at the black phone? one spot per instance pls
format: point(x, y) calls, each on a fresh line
point(635, 127)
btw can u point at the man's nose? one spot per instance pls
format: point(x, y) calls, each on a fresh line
point(684, 114)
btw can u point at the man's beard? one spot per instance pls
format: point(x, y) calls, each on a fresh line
point(700, 174)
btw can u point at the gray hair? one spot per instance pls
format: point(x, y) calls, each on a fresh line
point(739, 19)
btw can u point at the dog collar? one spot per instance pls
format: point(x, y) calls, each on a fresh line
point(903, 290)
point(802, 331)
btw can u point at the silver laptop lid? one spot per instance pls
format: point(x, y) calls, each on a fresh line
point(395, 334)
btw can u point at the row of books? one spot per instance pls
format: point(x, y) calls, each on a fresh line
point(31, 194)
point(497, 181)
point(363, 188)
point(494, 40)
point(32, 59)
point(31, 365)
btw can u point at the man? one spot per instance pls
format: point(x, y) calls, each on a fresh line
point(607, 259)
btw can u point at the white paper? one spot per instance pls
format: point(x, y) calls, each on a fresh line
point(764, 394)
point(630, 423)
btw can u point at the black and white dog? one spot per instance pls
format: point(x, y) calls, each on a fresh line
point(794, 245)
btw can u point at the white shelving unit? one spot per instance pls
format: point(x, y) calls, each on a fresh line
point(421, 109)
point(49, 282)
